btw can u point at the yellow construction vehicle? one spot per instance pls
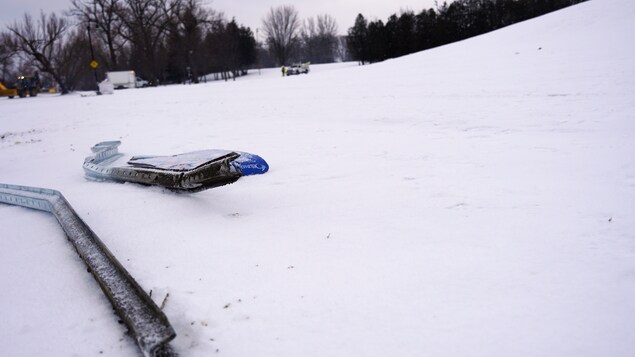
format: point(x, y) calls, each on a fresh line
point(6, 92)
point(24, 85)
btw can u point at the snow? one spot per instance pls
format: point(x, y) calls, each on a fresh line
point(472, 200)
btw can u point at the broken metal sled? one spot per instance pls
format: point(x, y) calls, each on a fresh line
point(145, 321)
point(190, 172)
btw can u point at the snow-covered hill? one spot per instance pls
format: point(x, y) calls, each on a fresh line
point(472, 200)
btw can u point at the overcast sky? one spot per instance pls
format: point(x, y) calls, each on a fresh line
point(249, 12)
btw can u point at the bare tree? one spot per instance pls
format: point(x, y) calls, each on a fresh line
point(6, 56)
point(146, 23)
point(308, 35)
point(185, 40)
point(319, 39)
point(341, 52)
point(43, 42)
point(281, 27)
point(327, 26)
point(75, 57)
point(105, 16)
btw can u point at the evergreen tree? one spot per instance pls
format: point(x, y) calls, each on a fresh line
point(357, 40)
point(378, 42)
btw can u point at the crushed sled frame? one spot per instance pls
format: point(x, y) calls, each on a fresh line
point(217, 172)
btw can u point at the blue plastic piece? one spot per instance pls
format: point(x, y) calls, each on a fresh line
point(250, 164)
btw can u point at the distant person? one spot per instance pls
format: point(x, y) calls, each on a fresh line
point(284, 71)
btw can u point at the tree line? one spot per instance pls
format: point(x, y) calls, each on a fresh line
point(407, 33)
point(163, 41)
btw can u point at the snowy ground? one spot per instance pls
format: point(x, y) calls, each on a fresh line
point(472, 200)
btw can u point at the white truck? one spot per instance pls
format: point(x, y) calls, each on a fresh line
point(125, 79)
point(298, 68)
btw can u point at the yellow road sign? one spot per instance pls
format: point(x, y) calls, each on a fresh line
point(94, 64)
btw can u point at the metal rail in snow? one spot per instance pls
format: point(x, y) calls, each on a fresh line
point(146, 322)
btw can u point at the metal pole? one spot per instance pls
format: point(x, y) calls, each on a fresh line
point(92, 58)
point(257, 48)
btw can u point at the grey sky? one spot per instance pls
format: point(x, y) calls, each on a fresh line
point(249, 12)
